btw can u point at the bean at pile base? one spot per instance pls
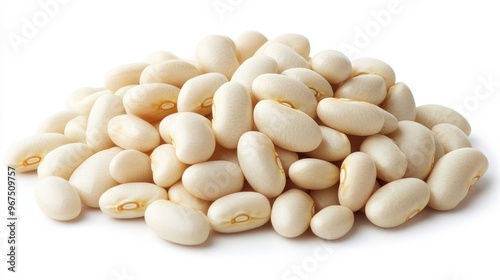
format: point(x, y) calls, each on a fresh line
point(249, 132)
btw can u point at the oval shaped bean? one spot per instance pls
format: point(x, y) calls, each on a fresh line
point(369, 65)
point(390, 161)
point(314, 81)
point(177, 223)
point(333, 65)
point(334, 145)
point(298, 43)
point(57, 198)
point(76, 129)
point(213, 179)
point(314, 174)
point(238, 212)
point(439, 148)
point(76, 96)
point(453, 175)
point(351, 117)
point(390, 122)
point(285, 90)
point(130, 132)
point(26, 154)
point(400, 102)
point(196, 95)
point(288, 128)
point(105, 108)
point(166, 167)
point(56, 123)
point(177, 193)
point(121, 91)
point(357, 177)
point(63, 160)
point(433, 114)
point(151, 102)
point(368, 88)
point(92, 178)
point(417, 143)
point(84, 106)
point(231, 114)
point(286, 57)
point(397, 202)
point(130, 200)
point(260, 164)
point(247, 43)
point(216, 53)
point(287, 158)
point(451, 137)
point(291, 213)
point(173, 72)
point(159, 56)
point(253, 68)
point(124, 75)
point(325, 197)
point(131, 166)
point(332, 222)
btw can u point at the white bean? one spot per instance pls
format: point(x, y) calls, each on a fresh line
point(105, 108)
point(253, 68)
point(124, 75)
point(334, 145)
point(131, 166)
point(151, 102)
point(298, 43)
point(76, 96)
point(314, 174)
point(291, 213)
point(247, 43)
point(400, 102)
point(451, 137)
point(177, 193)
point(287, 158)
point(369, 65)
point(173, 72)
point(216, 53)
point(433, 114)
point(76, 129)
point(57, 198)
point(130, 132)
point(325, 197)
point(167, 168)
point(314, 81)
point(368, 88)
point(63, 160)
point(333, 65)
point(196, 95)
point(332, 222)
point(159, 56)
point(56, 122)
point(390, 161)
point(357, 177)
point(286, 57)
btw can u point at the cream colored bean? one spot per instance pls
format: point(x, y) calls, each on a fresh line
point(26, 154)
point(334, 145)
point(130, 166)
point(325, 197)
point(368, 88)
point(128, 201)
point(350, 117)
point(333, 65)
point(130, 132)
point(247, 43)
point(166, 167)
point(287, 158)
point(124, 75)
point(314, 174)
point(433, 114)
point(56, 122)
point(76, 129)
point(231, 114)
point(121, 91)
point(212, 180)
point(151, 102)
point(239, 212)
point(314, 81)
point(166, 124)
point(177, 223)
point(285, 90)
point(58, 199)
point(216, 53)
point(92, 178)
point(332, 222)
point(298, 43)
point(451, 137)
point(368, 65)
point(291, 213)
point(173, 72)
point(390, 161)
point(260, 164)
point(417, 143)
point(196, 95)
point(177, 193)
point(192, 136)
point(439, 148)
point(105, 108)
point(76, 96)
point(159, 56)
point(84, 106)
point(400, 102)
point(288, 128)
point(222, 153)
point(390, 122)
point(286, 57)
point(63, 160)
point(453, 175)
point(357, 177)
point(397, 202)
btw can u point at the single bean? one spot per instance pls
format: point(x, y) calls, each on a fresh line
point(63, 160)
point(130, 166)
point(451, 137)
point(334, 145)
point(124, 75)
point(151, 102)
point(166, 167)
point(400, 102)
point(333, 65)
point(368, 65)
point(291, 213)
point(174, 72)
point(332, 222)
point(57, 198)
point(105, 108)
point(216, 53)
point(56, 122)
point(177, 193)
point(314, 174)
point(159, 56)
point(390, 161)
point(130, 132)
point(196, 95)
point(76, 129)
point(369, 88)
point(433, 114)
point(357, 177)
point(247, 43)
point(286, 57)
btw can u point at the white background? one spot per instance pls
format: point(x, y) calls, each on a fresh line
point(441, 50)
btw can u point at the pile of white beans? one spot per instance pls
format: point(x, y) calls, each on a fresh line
point(248, 131)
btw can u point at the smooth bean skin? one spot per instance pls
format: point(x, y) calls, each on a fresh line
point(212, 180)
point(397, 202)
point(433, 114)
point(27, 154)
point(57, 198)
point(131, 132)
point(451, 137)
point(177, 223)
point(287, 158)
point(314, 81)
point(130, 200)
point(390, 161)
point(260, 164)
point(105, 108)
point(247, 43)
point(166, 167)
point(369, 65)
point(325, 197)
point(130, 166)
point(333, 65)
point(297, 42)
point(177, 193)
point(400, 102)
point(56, 123)
point(314, 174)
point(368, 88)
point(239, 212)
point(453, 175)
point(151, 102)
point(291, 213)
point(76, 129)
point(357, 177)
point(174, 72)
point(124, 75)
point(390, 122)
point(332, 222)
point(196, 95)
point(334, 145)
point(83, 106)
point(63, 160)
point(253, 68)
point(159, 56)
point(216, 53)
point(77, 95)
point(286, 57)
